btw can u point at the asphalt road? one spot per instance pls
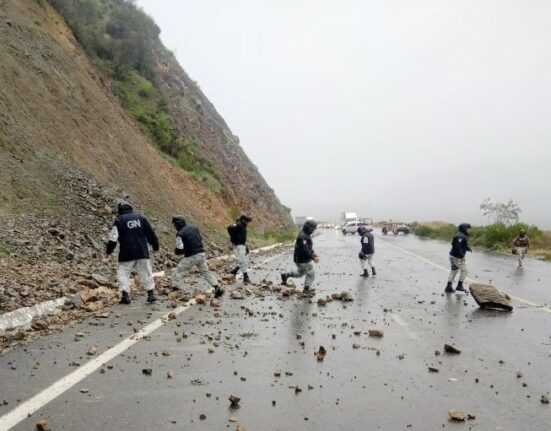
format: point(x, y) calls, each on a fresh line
point(364, 383)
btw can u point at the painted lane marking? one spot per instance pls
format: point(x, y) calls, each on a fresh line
point(404, 325)
point(24, 410)
point(469, 279)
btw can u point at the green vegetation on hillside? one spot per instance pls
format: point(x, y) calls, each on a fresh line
point(121, 39)
point(497, 236)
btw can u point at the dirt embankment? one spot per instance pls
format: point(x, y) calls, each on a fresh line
point(68, 151)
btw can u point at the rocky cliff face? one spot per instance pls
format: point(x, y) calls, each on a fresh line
point(69, 149)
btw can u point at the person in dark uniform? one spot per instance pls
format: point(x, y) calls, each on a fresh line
point(368, 250)
point(460, 247)
point(238, 238)
point(303, 257)
point(189, 244)
point(133, 233)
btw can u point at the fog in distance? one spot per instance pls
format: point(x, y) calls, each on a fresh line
point(404, 110)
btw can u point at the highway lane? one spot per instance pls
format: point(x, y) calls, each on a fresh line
point(363, 383)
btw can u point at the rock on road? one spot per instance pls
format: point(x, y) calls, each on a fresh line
point(262, 351)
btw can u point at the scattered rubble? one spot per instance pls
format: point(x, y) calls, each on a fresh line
point(452, 350)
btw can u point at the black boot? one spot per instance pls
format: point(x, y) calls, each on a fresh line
point(125, 299)
point(449, 288)
point(246, 278)
point(284, 278)
point(373, 270)
point(151, 296)
point(365, 273)
point(218, 292)
point(234, 271)
point(460, 287)
point(309, 291)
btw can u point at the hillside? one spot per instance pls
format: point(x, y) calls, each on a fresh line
point(70, 146)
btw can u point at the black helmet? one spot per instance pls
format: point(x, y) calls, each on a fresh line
point(246, 217)
point(463, 228)
point(179, 221)
point(362, 230)
point(124, 207)
point(309, 226)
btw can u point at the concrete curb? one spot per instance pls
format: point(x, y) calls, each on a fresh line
point(23, 317)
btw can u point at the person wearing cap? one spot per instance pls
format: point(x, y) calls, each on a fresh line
point(303, 257)
point(521, 245)
point(460, 247)
point(238, 238)
point(133, 233)
point(189, 244)
point(368, 250)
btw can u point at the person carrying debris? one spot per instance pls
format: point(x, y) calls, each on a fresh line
point(190, 244)
point(521, 245)
point(460, 247)
point(303, 257)
point(238, 238)
point(368, 250)
point(133, 233)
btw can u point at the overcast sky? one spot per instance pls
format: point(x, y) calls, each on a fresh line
point(413, 110)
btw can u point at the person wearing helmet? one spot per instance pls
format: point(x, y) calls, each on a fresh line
point(303, 257)
point(460, 247)
point(133, 233)
point(521, 245)
point(189, 244)
point(368, 250)
point(238, 238)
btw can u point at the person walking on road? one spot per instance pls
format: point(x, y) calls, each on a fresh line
point(521, 245)
point(133, 233)
point(303, 257)
point(238, 238)
point(190, 244)
point(460, 247)
point(368, 250)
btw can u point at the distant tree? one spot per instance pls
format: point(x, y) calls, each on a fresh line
point(507, 213)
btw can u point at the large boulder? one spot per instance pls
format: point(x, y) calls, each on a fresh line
point(487, 296)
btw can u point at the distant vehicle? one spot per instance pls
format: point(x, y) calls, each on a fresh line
point(352, 226)
point(400, 228)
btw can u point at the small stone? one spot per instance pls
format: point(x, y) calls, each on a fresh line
point(147, 371)
point(452, 350)
point(322, 302)
point(43, 426)
point(165, 353)
point(169, 374)
point(433, 370)
point(171, 315)
point(544, 399)
point(202, 417)
point(277, 373)
point(376, 333)
point(200, 299)
point(456, 415)
point(321, 353)
point(92, 350)
point(215, 303)
point(234, 400)
point(355, 346)
point(236, 294)
point(84, 391)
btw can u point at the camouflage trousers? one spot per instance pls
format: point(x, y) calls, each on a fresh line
point(305, 270)
point(457, 265)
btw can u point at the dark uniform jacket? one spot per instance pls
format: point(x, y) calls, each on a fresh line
point(368, 244)
point(304, 251)
point(238, 232)
point(460, 245)
point(133, 233)
point(191, 241)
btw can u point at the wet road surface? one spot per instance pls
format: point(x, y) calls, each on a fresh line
point(364, 383)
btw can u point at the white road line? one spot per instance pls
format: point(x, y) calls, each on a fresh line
point(24, 410)
point(469, 279)
point(404, 325)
